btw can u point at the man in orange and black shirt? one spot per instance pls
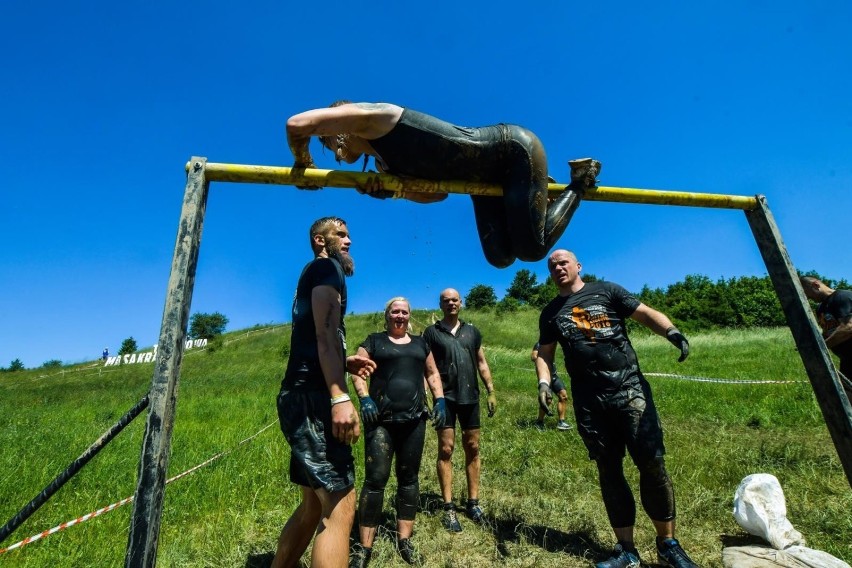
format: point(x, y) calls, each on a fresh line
point(613, 405)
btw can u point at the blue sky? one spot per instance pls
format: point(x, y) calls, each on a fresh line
point(102, 104)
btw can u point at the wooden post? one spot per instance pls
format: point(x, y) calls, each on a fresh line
point(156, 445)
point(818, 364)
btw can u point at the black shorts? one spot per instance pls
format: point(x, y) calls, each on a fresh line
point(556, 385)
point(627, 420)
point(317, 458)
point(467, 415)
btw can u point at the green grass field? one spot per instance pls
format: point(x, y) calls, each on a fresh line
point(539, 489)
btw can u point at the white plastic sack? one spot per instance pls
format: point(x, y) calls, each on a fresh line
point(760, 509)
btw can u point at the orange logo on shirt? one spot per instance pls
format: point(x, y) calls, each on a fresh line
point(590, 324)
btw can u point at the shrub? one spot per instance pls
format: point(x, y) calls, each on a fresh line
point(508, 304)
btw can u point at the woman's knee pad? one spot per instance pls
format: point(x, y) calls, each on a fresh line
point(370, 506)
point(407, 501)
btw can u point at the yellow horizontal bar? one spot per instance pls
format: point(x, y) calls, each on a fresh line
point(347, 179)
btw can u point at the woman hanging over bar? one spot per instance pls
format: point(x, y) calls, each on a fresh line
point(522, 224)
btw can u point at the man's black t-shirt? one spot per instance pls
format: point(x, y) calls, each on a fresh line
point(303, 367)
point(590, 327)
point(831, 313)
point(456, 357)
point(397, 384)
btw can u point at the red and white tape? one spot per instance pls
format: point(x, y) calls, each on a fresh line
point(127, 500)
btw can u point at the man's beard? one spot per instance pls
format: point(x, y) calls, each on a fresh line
point(345, 260)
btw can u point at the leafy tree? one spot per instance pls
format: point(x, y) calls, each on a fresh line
point(128, 346)
point(755, 302)
point(15, 365)
point(51, 364)
point(522, 287)
point(207, 326)
point(480, 296)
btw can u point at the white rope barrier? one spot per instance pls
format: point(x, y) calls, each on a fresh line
point(698, 379)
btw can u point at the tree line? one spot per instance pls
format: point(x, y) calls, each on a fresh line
point(695, 303)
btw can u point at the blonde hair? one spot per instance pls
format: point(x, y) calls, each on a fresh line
point(388, 309)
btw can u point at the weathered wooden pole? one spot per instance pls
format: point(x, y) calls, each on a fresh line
point(829, 391)
point(156, 445)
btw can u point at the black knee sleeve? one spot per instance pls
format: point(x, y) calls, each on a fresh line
point(407, 498)
point(617, 497)
point(370, 506)
point(656, 490)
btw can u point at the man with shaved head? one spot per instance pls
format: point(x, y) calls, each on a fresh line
point(457, 348)
point(613, 405)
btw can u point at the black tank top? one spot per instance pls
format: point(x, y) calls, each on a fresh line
point(425, 147)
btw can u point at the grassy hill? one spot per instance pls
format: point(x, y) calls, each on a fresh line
point(539, 489)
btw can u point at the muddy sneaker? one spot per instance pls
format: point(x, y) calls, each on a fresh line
point(562, 425)
point(583, 172)
point(670, 553)
point(408, 552)
point(450, 519)
point(360, 557)
point(474, 511)
point(539, 425)
point(621, 557)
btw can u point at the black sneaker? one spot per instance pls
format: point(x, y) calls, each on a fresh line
point(474, 511)
point(539, 424)
point(360, 556)
point(408, 552)
point(450, 520)
point(621, 557)
point(670, 553)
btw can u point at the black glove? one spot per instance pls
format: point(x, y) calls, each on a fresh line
point(369, 410)
point(677, 339)
point(544, 398)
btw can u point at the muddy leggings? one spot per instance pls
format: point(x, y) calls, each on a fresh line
point(381, 443)
point(655, 488)
point(522, 224)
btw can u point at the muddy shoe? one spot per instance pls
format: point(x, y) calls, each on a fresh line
point(450, 519)
point(670, 553)
point(583, 173)
point(360, 557)
point(621, 557)
point(474, 511)
point(408, 553)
